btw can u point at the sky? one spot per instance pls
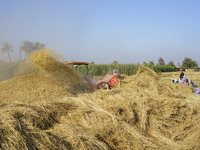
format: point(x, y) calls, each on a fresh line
point(128, 31)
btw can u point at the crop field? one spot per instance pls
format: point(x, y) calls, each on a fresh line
point(127, 69)
point(54, 108)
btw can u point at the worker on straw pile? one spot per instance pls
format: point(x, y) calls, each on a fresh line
point(196, 90)
point(175, 81)
point(190, 81)
point(182, 78)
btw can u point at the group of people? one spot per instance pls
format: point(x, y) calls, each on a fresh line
point(184, 80)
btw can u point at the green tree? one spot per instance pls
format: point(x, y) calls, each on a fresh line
point(171, 63)
point(151, 63)
point(7, 48)
point(115, 62)
point(92, 62)
point(189, 63)
point(161, 61)
point(144, 63)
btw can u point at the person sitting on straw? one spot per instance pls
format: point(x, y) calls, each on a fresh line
point(196, 90)
point(190, 81)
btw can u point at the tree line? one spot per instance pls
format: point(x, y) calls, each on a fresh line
point(186, 63)
point(26, 46)
point(29, 47)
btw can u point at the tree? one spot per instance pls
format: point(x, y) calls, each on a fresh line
point(144, 63)
point(38, 45)
point(189, 63)
point(151, 63)
point(115, 62)
point(161, 61)
point(92, 62)
point(7, 48)
point(171, 63)
point(29, 47)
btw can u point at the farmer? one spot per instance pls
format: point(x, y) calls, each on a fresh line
point(182, 78)
point(115, 72)
point(196, 90)
point(190, 81)
point(175, 81)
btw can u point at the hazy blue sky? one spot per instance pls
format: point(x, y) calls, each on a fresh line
point(102, 31)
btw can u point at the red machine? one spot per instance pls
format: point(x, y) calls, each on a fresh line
point(108, 82)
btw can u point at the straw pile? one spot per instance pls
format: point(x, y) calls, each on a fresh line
point(144, 113)
point(30, 89)
point(155, 114)
point(59, 72)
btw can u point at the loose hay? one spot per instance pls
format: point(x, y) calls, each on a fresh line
point(145, 113)
point(30, 89)
point(60, 72)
